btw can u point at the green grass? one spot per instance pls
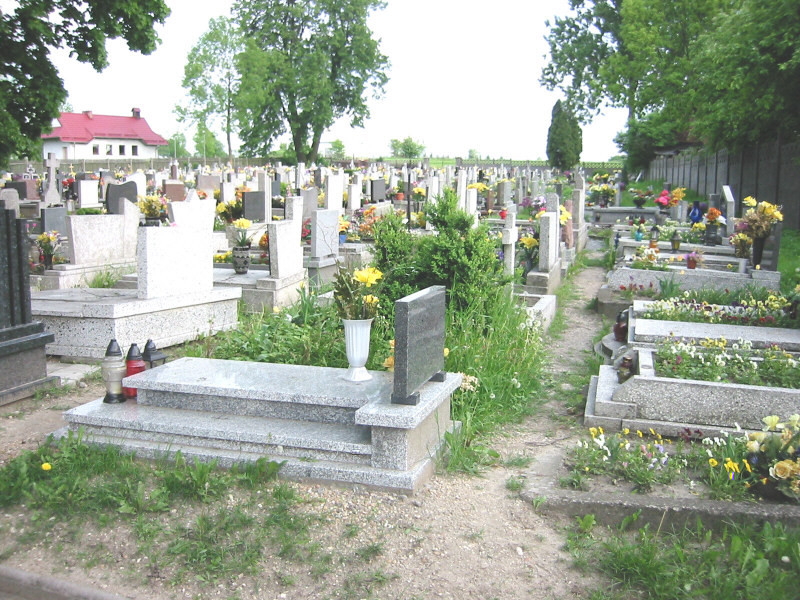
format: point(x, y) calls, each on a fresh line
point(789, 260)
point(740, 562)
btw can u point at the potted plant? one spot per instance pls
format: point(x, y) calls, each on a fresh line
point(693, 259)
point(344, 225)
point(714, 219)
point(355, 295)
point(241, 246)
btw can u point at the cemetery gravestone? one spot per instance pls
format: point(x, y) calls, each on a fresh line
point(378, 192)
point(88, 194)
point(310, 204)
point(23, 365)
point(51, 193)
point(256, 206)
point(730, 209)
point(54, 218)
point(334, 192)
point(140, 179)
point(324, 233)
point(9, 200)
point(117, 194)
point(419, 343)
point(174, 191)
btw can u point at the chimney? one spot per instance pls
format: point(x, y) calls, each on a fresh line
point(88, 113)
point(137, 114)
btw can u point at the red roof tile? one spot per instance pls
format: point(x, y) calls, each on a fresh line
point(84, 127)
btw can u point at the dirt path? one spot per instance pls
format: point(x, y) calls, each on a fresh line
point(460, 537)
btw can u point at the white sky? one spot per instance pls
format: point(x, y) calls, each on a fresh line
point(464, 75)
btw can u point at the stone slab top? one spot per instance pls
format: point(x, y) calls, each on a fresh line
point(382, 413)
point(110, 303)
point(652, 330)
point(263, 381)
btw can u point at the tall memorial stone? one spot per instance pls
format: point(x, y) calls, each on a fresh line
point(419, 343)
point(23, 365)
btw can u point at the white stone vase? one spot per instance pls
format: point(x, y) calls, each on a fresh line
point(356, 341)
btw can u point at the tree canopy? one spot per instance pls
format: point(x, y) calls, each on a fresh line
point(306, 63)
point(564, 138)
point(176, 147)
point(721, 73)
point(406, 148)
point(30, 89)
point(206, 143)
point(211, 79)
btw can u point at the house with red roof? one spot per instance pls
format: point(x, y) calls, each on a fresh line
point(88, 136)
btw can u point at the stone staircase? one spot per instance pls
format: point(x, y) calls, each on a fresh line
point(323, 427)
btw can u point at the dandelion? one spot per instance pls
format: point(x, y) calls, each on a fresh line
point(46, 466)
point(712, 462)
point(639, 433)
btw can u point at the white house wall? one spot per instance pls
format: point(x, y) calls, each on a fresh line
point(78, 151)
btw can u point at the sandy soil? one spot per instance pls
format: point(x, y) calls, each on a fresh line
point(460, 537)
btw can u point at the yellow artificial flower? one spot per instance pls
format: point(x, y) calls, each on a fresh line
point(529, 242)
point(368, 276)
point(242, 223)
point(783, 469)
point(749, 201)
point(370, 299)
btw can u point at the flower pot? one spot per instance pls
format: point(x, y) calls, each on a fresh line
point(241, 259)
point(638, 236)
point(48, 261)
point(712, 237)
point(400, 196)
point(152, 222)
point(639, 202)
point(691, 263)
point(758, 250)
point(356, 341)
point(342, 238)
point(503, 214)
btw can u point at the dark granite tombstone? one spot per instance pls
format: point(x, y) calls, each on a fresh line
point(418, 342)
point(23, 364)
point(26, 188)
point(117, 193)
point(318, 178)
point(54, 218)
point(256, 206)
point(378, 190)
point(276, 188)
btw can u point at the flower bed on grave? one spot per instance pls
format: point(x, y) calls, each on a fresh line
point(774, 311)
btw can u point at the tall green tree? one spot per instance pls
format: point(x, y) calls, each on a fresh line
point(206, 143)
point(306, 64)
point(748, 75)
point(30, 88)
point(564, 138)
point(406, 148)
point(337, 150)
point(211, 79)
point(176, 147)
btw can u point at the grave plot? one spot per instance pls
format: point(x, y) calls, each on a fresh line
point(383, 433)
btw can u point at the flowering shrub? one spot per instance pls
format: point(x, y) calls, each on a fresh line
point(715, 360)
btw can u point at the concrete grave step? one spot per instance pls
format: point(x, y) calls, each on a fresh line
point(131, 426)
point(258, 389)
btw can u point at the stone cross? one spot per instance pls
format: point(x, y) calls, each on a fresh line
point(510, 235)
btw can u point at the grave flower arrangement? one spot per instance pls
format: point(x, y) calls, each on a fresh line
point(759, 218)
point(241, 239)
point(774, 455)
point(741, 243)
point(230, 211)
point(152, 206)
point(482, 188)
point(714, 217)
point(663, 199)
point(528, 246)
point(563, 215)
point(48, 242)
point(355, 293)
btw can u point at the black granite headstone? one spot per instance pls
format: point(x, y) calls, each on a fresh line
point(15, 291)
point(378, 190)
point(54, 218)
point(116, 193)
point(255, 207)
point(26, 189)
point(419, 321)
point(318, 178)
point(276, 188)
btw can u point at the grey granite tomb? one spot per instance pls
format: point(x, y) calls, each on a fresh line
point(419, 342)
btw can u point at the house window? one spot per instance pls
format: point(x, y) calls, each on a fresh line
point(134, 150)
point(122, 149)
point(96, 149)
point(109, 149)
